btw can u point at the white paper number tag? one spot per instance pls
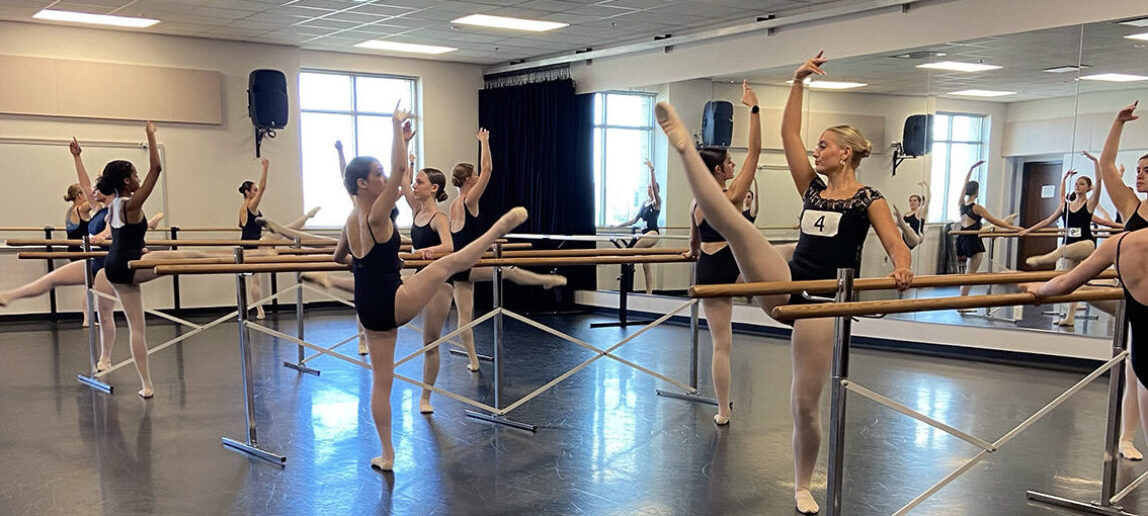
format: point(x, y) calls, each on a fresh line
point(820, 223)
point(1074, 232)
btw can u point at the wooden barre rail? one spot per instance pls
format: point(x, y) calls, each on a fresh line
point(185, 243)
point(255, 268)
point(1039, 232)
point(897, 306)
point(765, 288)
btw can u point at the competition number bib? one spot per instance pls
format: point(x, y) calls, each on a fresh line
point(820, 223)
point(1074, 232)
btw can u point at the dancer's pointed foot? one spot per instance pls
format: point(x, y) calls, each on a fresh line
point(3, 301)
point(311, 213)
point(805, 502)
point(1129, 451)
point(512, 219)
point(676, 131)
point(382, 465)
point(554, 280)
point(319, 278)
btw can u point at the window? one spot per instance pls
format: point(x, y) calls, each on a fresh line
point(623, 141)
point(355, 109)
point(959, 140)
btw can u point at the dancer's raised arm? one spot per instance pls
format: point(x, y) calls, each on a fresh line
point(135, 203)
point(926, 194)
point(1059, 206)
point(1094, 199)
point(81, 171)
point(381, 209)
point(795, 153)
point(485, 166)
point(342, 158)
point(741, 182)
point(1123, 197)
point(253, 205)
point(655, 189)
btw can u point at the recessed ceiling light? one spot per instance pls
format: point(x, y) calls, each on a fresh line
point(395, 46)
point(503, 22)
point(954, 66)
point(1138, 22)
point(1115, 77)
point(831, 85)
point(1142, 36)
point(94, 19)
point(982, 93)
point(1065, 69)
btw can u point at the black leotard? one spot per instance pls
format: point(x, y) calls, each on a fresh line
point(748, 214)
point(1078, 225)
point(1135, 222)
point(716, 268)
point(914, 224)
point(96, 226)
point(377, 278)
point(1137, 316)
point(251, 230)
point(469, 232)
point(970, 245)
point(127, 244)
point(833, 232)
point(75, 231)
point(650, 216)
point(423, 237)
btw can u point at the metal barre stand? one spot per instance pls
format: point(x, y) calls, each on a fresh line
point(625, 287)
point(301, 360)
point(694, 358)
point(251, 446)
point(93, 346)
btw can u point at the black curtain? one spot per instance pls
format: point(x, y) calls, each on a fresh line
point(541, 149)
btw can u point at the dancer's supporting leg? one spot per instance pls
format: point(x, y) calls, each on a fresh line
point(719, 313)
point(1130, 403)
point(519, 277)
point(415, 293)
point(434, 317)
point(130, 298)
point(105, 311)
point(464, 303)
point(973, 265)
point(647, 241)
point(756, 257)
point(812, 361)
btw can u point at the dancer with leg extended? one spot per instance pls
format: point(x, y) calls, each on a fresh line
point(648, 215)
point(913, 225)
point(970, 248)
point(383, 299)
point(1077, 210)
point(464, 228)
point(835, 220)
point(715, 257)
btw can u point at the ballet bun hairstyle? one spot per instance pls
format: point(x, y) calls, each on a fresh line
point(74, 192)
point(461, 173)
point(971, 188)
point(437, 178)
point(245, 187)
point(111, 180)
point(849, 136)
point(713, 156)
point(358, 168)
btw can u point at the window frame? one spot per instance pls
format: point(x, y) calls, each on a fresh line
point(354, 112)
point(605, 126)
point(982, 145)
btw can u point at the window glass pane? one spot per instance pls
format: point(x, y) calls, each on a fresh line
point(941, 127)
point(375, 133)
point(599, 185)
point(624, 173)
point(967, 128)
point(599, 108)
point(379, 94)
point(961, 157)
point(322, 184)
point(629, 110)
point(939, 204)
point(325, 91)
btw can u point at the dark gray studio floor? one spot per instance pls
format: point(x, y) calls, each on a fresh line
point(606, 444)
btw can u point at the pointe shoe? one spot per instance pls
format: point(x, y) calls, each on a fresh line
point(1065, 323)
point(676, 131)
point(555, 281)
point(146, 393)
point(363, 348)
point(311, 213)
point(103, 365)
point(472, 367)
point(515, 217)
point(425, 407)
point(1129, 452)
point(721, 420)
point(3, 302)
point(379, 464)
point(806, 504)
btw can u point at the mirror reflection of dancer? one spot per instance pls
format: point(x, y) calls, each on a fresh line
point(970, 248)
point(648, 215)
point(749, 208)
point(1078, 210)
point(715, 258)
point(384, 300)
point(913, 225)
point(835, 221)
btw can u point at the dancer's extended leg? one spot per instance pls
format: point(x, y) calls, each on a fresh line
point(292, 233)
point(69, 275)
point(812, 360)
point(912, 239)
point(719, 314)
point(519, 277)
point(382, 345)
point(434, 317)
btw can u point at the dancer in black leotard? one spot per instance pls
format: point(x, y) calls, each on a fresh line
point(913, 224)
point(750, 206)
point(430, 236)
point(716, 262)
point(970, 248)
point(465, 226)
point(1076, 210)
point(837, 155)
point(648, 214)
point(384, 300)
point(251, 230)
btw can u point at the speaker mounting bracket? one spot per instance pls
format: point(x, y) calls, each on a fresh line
point(260, 132)
point(899, 156)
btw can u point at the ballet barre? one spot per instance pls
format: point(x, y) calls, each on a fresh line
point(844, 308)
point(1055, 232)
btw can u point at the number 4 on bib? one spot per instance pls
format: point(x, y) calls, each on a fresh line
point(820, 223)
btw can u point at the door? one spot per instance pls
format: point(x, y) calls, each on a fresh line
point(1041, 195)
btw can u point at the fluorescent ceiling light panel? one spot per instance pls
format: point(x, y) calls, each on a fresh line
point(94, 19)
point(1138, 22)
point(1115, 77)
point(982, 93)
point(1142, 36)
point(395, 46)
point(503, 22)
point(1063, 69)
point(830, 85)
point(954, 66)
